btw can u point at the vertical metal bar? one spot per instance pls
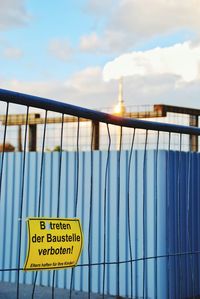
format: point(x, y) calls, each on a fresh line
point(42, 166)
point(136, 223)
point(129, 212)
point(168, 216)
point(59, 184)
point(90, 217)
point(108, 231)
point(118, 211)
point(156, 219)
point(105, 210)
point(144, 219)
point(100, 222)
point(76, 195)
point(2, 167)
point(40, 191)
point(83, 188)
point(178, 221)
point(188, 225)
point(22, 200)
point(3, 153)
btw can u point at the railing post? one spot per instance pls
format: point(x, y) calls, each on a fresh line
point(194, 122)
point(19, 139)
point(95, 144)
point(32, 138)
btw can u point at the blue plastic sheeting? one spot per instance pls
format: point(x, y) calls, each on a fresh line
point(164, 218)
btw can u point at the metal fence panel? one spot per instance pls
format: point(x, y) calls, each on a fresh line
point(139, 208)
point(156, 266)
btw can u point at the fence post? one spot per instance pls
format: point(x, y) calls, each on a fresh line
point(32, 138)
point(194, 121)
point(19, 139)
point(95, 145)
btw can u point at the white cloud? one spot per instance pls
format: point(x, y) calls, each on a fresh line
point(87, 89)
point(181, 60)
point(13, 13)
point(149, 17)
point(12, 53)
point(100, 7)
point(109, 42)
point(61, 49)
point(90, 43)
point(128, 22)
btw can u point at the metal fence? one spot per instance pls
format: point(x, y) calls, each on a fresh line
point(16, 126)
point(139, 207)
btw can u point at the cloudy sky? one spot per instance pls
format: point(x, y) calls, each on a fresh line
point(75, 50)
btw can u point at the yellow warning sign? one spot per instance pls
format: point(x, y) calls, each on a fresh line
point(53, 243)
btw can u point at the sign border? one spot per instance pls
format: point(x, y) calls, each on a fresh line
point(28, 252)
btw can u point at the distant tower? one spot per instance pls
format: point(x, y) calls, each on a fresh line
point(120, 108)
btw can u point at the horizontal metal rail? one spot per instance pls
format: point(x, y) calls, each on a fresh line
point(60, 107)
